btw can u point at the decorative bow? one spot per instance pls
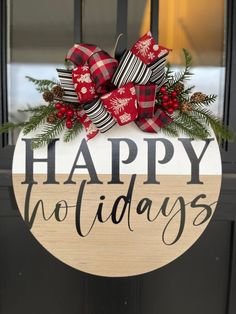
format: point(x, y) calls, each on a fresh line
point(110, 92)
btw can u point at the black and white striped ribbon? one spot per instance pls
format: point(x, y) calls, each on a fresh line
point(158, 70)
point(65, 77)
point(99, 116)
point(131, 69)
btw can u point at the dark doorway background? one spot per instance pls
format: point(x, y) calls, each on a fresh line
point(203, 280)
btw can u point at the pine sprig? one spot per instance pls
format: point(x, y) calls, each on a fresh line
point(209, 99)
point(41, 85)
point(70, 134)
point(188, 60)
point(190, 132)
point(38, 118)
point(50, 131)
point(6, 127)
point(40, 114)
point(222, 131)
point(185, 94)
point(170, 130)
point(195, 126)
point(183, 75)
point(35, 109)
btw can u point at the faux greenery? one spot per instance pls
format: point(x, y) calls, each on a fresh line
point(194, 123)
point(193, 117)
point(42, 85)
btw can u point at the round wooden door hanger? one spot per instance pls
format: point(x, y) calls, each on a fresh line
point(122, 204)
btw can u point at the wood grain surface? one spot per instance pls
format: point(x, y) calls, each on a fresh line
point(133, 246)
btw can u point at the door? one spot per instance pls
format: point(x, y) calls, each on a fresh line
point(34, 38)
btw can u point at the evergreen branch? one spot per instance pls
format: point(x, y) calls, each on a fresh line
point(49, 132)
point(38, 118)
point(34, 109)
point(170, 130)
point(187, 92)
point(188, 60)
point(6, 127)
point(194, 125)
point(184, 123)
point(41, 85)
point(184, 96)
point(70, 134)
point(222, 131)
point(190, 132)
point(209, 99)
point(183, 75)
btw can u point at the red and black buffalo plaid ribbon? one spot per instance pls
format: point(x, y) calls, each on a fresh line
point(80, 53)
point(153, 125)
point(102, 67)
point(122, 92)
point(146, 96)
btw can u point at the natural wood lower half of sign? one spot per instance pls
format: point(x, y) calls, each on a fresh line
point(140, 242)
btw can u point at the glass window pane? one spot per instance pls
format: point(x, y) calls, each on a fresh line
point(138, 20)
point(40, 34)
point(99, 23)
point(199, 26)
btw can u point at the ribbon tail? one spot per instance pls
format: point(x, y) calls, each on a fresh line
point(153, 125)
point(99, 116)
point(146, 96)
point(90, 128)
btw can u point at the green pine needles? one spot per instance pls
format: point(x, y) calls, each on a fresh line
point(74, 132)
point(192, 118)
point(42, 85)
point(191, 115)
point(49, 132)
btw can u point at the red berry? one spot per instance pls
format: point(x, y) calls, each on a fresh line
point(60, 115)
point(163, 90)
point(165, 104)
point(175, 106)
point(170, 110)
point(170, 103)
point(69, 124)
point(173, 94)
point(165, 98)
point(175, 100)
point(58, 105)
point(70, 113)
point(63, 110)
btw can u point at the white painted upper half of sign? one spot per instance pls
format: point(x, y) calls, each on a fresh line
point(100, 149)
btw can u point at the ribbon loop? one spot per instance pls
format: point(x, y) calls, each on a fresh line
point(153, 55)
point(117, 93)
point(65, 77)
point(158, 70)
point(102, 67)
point(83, 84)
point(80, 53)
point(122, 104)
point(99, 116)
point(131, 69)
